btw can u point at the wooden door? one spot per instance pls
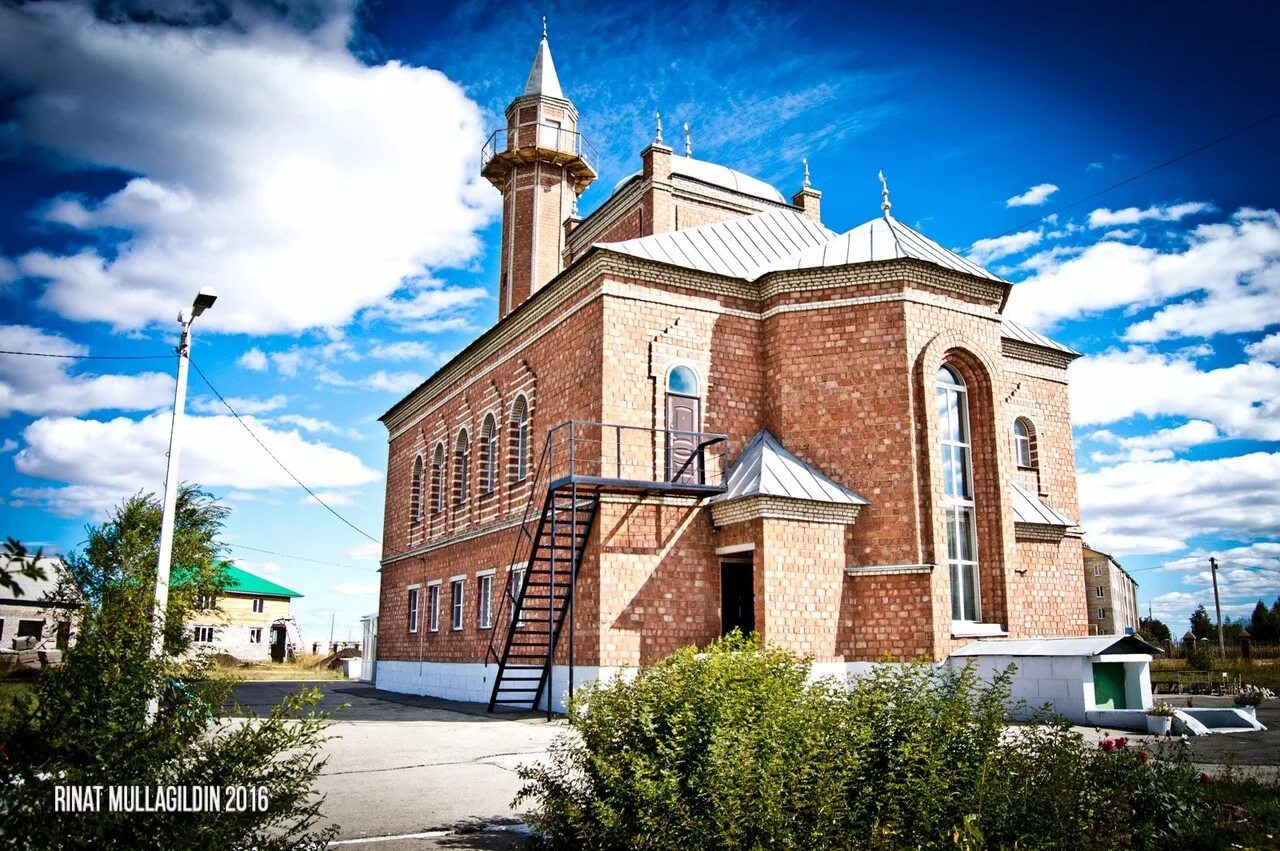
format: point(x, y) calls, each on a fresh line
point(684, 422)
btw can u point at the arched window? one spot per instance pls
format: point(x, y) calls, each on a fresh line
point(415, 491)
point(437, 479)
point(683, 381)
point(1024, 442)
point(461, 466)
point(489, 454)
point(520, 439)
point(957, 495)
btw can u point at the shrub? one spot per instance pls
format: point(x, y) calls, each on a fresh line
point(730, 748)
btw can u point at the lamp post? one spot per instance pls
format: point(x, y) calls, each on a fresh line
point(204, 301)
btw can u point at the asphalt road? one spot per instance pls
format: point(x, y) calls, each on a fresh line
point(435, 773)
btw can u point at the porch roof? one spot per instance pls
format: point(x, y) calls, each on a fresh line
point(1093, 645)
point(766, 468)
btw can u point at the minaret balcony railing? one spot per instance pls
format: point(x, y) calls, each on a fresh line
point(543, 139)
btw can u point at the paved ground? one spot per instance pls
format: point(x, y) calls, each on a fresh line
point(417, 773)
point(432, 773)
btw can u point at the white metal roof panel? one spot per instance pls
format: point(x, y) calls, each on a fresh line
point(883, 238)
point(736, 248)
point(1093, 645)
point(725, 177)
point(543, 79)
point(1013, 331)
point(766, 468)
point(1027, 508)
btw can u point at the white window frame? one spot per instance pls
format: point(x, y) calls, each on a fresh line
point(1099, 592)
point(515, 578)
point(204, 635)
point(415, 601)
point(1097, 570)
point(433, 606)
point(959, 505)
point(255, 635)
point(1102, 613)
point(489, 451)
point(457, 602)
point(259, 605)
point(439, 464)
point(461, 466)
point(484, 599)
point(521, 446)
point(417, 481)
point(1022, 445)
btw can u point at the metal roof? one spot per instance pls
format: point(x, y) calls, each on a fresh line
point(766, 468)
point(1027, 508)
point(32, 590)
point(1013, 331)
point(737, 248)
point(1093, 645)
point(240, 581)
point(716, 175)
point(883, 238)
point(542, 77)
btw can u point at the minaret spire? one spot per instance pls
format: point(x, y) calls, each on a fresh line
point(542, 76)
point(688, 141)
point(805, 162)
point(884, 194)
point(657, 136)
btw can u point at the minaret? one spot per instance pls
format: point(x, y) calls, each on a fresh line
point(540, 164)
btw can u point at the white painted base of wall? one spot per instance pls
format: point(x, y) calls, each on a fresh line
point(473, 683)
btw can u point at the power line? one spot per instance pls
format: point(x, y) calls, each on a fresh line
point(1140, 175)
point(298, 558)
point(88, 357)
point(245, 425)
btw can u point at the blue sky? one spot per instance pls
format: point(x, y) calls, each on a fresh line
point(319, 167)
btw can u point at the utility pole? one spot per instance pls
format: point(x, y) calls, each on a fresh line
point(204, 301)
point(332, 618)
point(1217, 605)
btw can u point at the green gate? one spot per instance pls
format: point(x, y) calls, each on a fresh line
point(1108, 685)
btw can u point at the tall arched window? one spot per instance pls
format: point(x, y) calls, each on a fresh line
point(520, 439)
point(1024, 442)
point(489, 454)
point(437, 479)
point(461, 466)
point(957, 495)
point(415, 491)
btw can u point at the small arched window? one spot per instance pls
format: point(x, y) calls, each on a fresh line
point(461, 466)
point(437, 479)
point(489, 454)
point(415, 491)
point(683, 381)
point(520, 439)
point(1024, 442)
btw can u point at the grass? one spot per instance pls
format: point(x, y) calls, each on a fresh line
point(10, 689)
point(1264, 673)
point(306, 667)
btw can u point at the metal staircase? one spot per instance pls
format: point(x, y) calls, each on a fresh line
point(579, 462)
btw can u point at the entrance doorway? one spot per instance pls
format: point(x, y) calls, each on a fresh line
point(737, 596)
point(1109, 685)
point(684, 422)
point(279, 642)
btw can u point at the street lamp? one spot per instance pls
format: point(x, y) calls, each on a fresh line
point(204, 301)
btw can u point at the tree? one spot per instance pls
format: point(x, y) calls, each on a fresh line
point(1201, 626)
point(87, 724)
point(1154, 631)
point(1264, 624)
point(19, 562)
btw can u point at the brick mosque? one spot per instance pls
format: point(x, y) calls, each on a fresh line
point(700, 409)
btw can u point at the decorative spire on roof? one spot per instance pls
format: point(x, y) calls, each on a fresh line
point(542, 76)
point(688, 141)
point(657, 136)
point(884, 194)
point(805, 161)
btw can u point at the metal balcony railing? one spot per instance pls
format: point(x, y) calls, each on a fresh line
point(618, 457)
point(546, 137)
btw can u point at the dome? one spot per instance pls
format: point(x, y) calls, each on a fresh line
point(716, 175)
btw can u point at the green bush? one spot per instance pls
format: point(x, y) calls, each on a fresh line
point(730, 748)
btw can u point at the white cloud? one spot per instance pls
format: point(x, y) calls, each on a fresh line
point(34, 385)
point(1233, 263)
point(356, 589)
point(1033, 197)
point(330, 498)
point(403, 350)
point(253, 360)
point(1156, 507)
point(242, 406)
point(425, 309)
point(1158, 446)
point(1121, 233)
point(1266, 349)
point(8, 446)
point(271, 164)
point(390, 382)
point(368, 551)
point(8, 270)
point(1104, 218)
point(987, 250)
point(1241, 400)
point(316, 425)
point(216, 452)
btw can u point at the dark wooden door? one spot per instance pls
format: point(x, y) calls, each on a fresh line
point(279, 647)
point(684, 421)
point(737, 597)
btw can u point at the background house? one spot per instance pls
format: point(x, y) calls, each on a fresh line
point(1111, 595)
point(251, 619)
point(28, 613)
